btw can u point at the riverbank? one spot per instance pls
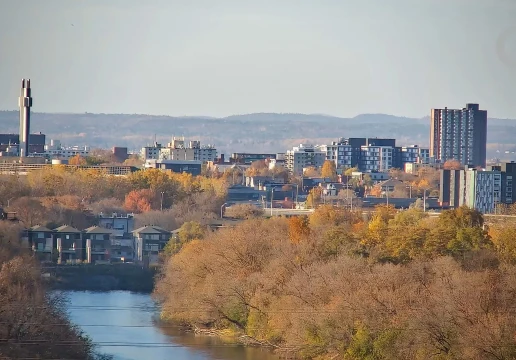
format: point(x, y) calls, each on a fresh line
point(124, 325)
point(87, 277)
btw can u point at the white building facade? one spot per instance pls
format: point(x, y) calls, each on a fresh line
point(304, 156)
point(178, 150)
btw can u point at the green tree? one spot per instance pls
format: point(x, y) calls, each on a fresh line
point(189, 231)
point(350, 171)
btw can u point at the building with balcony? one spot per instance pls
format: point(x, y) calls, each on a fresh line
point(98, 244)
point(41, 241)
point(415, 154)
point(193, 167)
point(302, 157)
point(482, 190)
point(459, 134)
point(69, 243)
point(122, 240)
point(150, 241)
point(177, 149)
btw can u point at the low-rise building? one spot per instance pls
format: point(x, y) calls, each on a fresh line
point(193, 167)
point(98, 244)
point(122, 240)
point(41, 241)
point(414, 168)
point(69, 244)
point(248, 158)
point(150, 241)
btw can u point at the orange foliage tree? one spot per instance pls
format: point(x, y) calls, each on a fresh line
point(298, 228)
point(452, 164)
point(139, 201)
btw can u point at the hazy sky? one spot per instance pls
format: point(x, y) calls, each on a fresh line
point(223, 57)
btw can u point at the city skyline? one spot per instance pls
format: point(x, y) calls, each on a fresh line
point(199, 58)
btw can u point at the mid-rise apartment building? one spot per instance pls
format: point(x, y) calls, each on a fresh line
point(304, 156)
point(482, 190)
point(373, 154)
point(415, 154)
point(177, 149)
point(459, 134)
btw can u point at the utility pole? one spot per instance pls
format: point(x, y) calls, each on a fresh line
point(424, 200)
point(387, 194)
point(161, 202)
point(272, 198)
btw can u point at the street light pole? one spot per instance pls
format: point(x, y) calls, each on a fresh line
point(161, 202)
point(424, 200)
point(410, 191)
point(387, 193)
point(221, 210)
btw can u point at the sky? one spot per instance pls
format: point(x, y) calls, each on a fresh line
point(224, 57)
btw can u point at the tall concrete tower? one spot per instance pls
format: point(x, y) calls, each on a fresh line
point(25, 104)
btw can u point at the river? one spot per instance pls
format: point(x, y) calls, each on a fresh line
point(124, 324)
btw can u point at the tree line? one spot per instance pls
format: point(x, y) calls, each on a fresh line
point(336, 284)
point(62, 195)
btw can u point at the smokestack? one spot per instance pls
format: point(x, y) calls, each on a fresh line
point(25, 103)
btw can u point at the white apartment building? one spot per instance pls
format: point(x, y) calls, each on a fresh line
point(56, 151)
point(304, 156)
point(178, 150)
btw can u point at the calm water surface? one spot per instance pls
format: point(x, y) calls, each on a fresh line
point(123, 324)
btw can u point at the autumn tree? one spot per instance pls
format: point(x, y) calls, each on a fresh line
point(28, 210)
point(298, 228)
point(314, 197)
point(311, 172)
point(452, 164)
point(400, 191)
point(329, 170)
point(133, 160)
point(77, 160)
point(258, 168)
point(243, 211)
point(139, 201)
point(350, 171)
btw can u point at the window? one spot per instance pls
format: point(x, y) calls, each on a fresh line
point(41, 235)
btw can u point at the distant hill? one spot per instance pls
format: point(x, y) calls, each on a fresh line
point(260, 132)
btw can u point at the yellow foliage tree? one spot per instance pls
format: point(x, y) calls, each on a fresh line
point(77, 160)
point(314, 197)
point(329, 170)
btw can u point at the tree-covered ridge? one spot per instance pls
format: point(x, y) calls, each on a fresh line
point(398, 285)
